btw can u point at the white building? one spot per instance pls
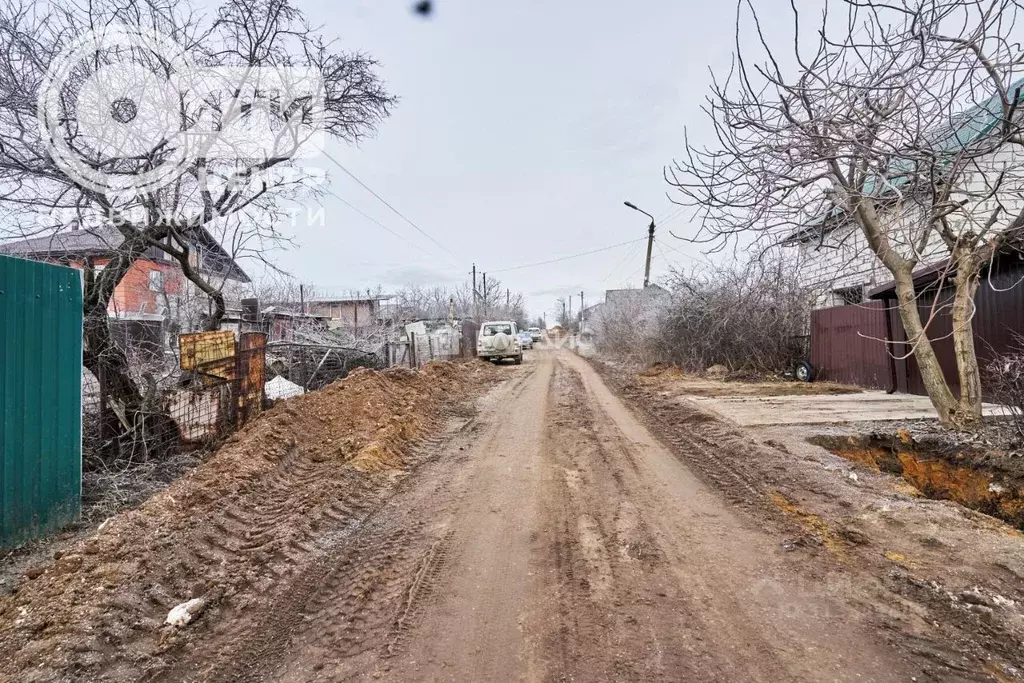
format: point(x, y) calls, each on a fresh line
point(836, 264)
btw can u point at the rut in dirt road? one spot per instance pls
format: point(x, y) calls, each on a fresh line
point(553, 538)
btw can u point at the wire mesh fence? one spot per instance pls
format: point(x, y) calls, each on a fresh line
point(313, 366)
point(217, 385)
point(446, 343)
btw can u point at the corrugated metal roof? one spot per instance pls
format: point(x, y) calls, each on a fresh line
point(961, 132)
point(87, 241)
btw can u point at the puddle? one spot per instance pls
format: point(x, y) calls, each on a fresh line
point(987, 482)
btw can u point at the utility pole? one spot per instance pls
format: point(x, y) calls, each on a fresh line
point(647, 265)
point(570, 314)
point(475, 312)
point(581, 311)
point(650, 243)
point(564, 316)
point(508, 298)
point(485, 295)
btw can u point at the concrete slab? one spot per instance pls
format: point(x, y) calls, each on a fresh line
point(867, 406)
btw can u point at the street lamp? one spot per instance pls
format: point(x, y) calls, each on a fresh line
point(650, 242)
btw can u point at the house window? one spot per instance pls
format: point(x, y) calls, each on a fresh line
point(848, 296)
point(156, 280)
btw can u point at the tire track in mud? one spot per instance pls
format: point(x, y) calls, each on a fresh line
point(699, 592)
point(714, 450)
point(349, 610)
point(617, 614)
point(738, 467)
point(466, 623)
point(333, 591)
point(270, 541)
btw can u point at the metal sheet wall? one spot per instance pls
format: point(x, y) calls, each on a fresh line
point(997, 323)
point(845, 345)
point(40, 398)
point(842, 352)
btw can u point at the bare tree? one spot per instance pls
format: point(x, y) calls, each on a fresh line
point(900, 118)
point(239, 197)
point(561, 313)
point(439, 302)
point(746, 316)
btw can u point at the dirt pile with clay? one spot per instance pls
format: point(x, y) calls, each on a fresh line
point(232, 530)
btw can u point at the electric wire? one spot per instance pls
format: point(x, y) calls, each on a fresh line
point(388, 204)
point(567, 257)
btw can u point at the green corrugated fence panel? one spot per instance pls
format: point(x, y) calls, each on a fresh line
point(40, 398)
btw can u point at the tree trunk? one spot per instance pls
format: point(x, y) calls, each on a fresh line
point(134, 425)
point(935, 384)
point(110, 366)
point(966, 281)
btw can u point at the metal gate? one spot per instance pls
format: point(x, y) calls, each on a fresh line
point(40, 398)
point(848, 345)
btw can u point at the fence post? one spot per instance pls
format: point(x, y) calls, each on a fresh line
point(412, 350)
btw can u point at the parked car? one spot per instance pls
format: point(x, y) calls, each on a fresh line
point(499, 340)
point(526, 340)
point(535, 334)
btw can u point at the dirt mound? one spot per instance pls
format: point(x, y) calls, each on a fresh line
point(238, 523)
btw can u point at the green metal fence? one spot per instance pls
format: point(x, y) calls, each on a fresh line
point(40, 398)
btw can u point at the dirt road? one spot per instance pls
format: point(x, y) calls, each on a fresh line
point(552, 538)
point(522, 523)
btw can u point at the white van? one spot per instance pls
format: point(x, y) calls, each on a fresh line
point(498, 340)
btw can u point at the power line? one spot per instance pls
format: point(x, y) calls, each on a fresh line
point(672, 216)
point(636, 272)
point(373, 220)
point(387, 204)
point(566, 258)
point(631, 254)
point(664, 214)
point(661, 251)
point(700, 258)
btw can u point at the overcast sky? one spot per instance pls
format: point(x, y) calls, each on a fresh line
point(521, 129)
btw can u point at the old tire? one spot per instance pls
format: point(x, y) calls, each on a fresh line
point(519, 359)
point(803, 371)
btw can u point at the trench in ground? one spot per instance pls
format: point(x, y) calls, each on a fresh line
point(987, 481)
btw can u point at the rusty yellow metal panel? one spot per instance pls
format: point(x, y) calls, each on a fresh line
point(202, 350)
point(252, 367)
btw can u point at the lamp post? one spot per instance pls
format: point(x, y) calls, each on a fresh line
point(650, 242)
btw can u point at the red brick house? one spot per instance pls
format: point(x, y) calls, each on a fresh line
point(152, 289)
